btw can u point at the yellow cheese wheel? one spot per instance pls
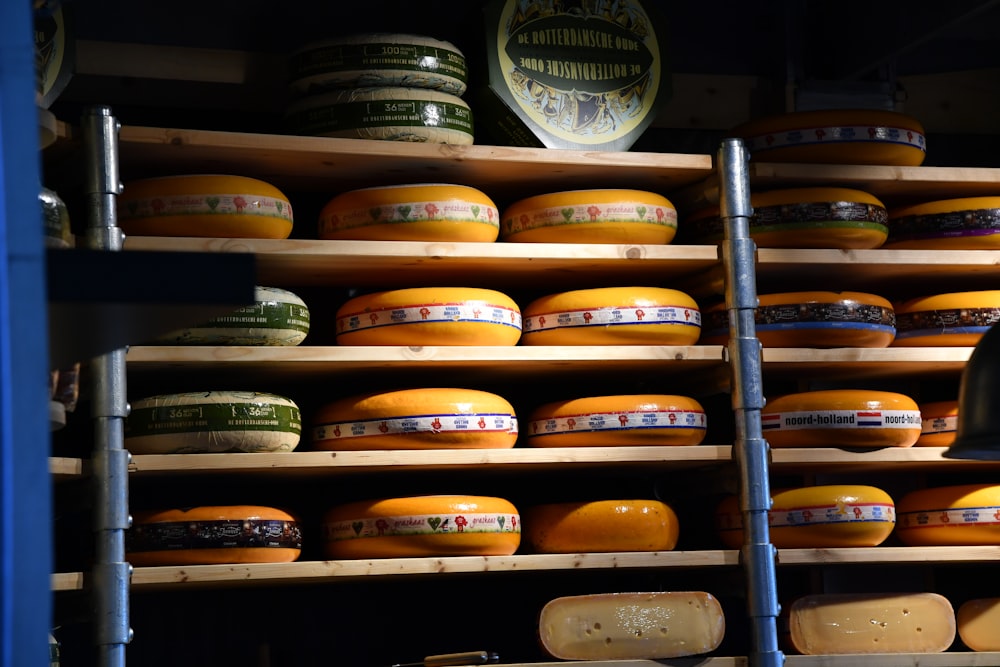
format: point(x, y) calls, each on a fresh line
point(430, 316)
point(440, 525)
point(811, 319)
point(844, 136)
point(939, 424)
point(209, 205)
point(967, 223)
point(841, 418)
point(431, 418)
point(631, 419)
point(956, 319)
point(961, 515)
point(826, 516)
point(591, 216)
point(978, 620)
point(613, 316)
point(601, 526)
point(418, 212)
point(213, 534)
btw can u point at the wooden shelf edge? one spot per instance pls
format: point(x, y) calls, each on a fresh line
point(948, 659)
point(890, 459)
point(63, 468)
point(889, 555)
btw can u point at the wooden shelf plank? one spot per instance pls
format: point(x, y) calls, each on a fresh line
point(863, 363)
point(890, 555)
point(885, 460)
point(950, 659)
point(64, 468)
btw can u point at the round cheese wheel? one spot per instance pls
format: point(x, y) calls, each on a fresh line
point(213, 534)
point(829, 516)
point(841, 418)
point(811, 319)
point(957, 319)
point(441, 525)
point(378, 60)
point(278, 317)
point(839, 218)
point(389, 114)
point(204, 205)
point(960, 515)
point(430, 316)
point(843, 136)
point(978, 620)
point(939, 424)
point(213, 421)
point(601, 526)
point(432, 418)
point(968, 223)
point(55, 217)
point(613, 316)
point(421, 212)
point(603, 421)
point(591, 216)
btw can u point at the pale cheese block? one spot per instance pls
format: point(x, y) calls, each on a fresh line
point(955, 319)
point(631, 626)
point(205, 205)
point(613, 316)
point(419, 212)
point(939, 423)
point(213, 422)
point(966, 223)
point(871, 623)
point(427, 418)
point(978, 623)
point(601, 526)
point(430, 316)
point(957, 515)
point(591, 216)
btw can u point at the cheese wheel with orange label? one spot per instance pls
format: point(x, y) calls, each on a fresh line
point(826, 516)
point(613, 316)
point(939, 424)
point(978, 620)
point(431, 418)
point(420, 212)
point(591, 216)
point(430, 316)
point(811, 319)
point(438, 525)
point(631, 419)
point(956, 319)
point(966, 223)
point(213, 534)
point(841, 418)
point(959, 515)
point(601, 526)
point(208, 205)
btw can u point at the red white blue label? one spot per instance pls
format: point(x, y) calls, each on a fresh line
point(613, 316)
point(418, 425)
point(936, 518)
point(618, 421)
point(840, 419)
point(834, 134)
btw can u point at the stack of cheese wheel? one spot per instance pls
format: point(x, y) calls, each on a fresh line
point(960, 515)
point(212, 422)
point(601, 526)
point(939, 423)
point(278, 317)
point(844, 136)
point(968, 223)
point(213, 534)
point(591, 216)
point(630, 419)
point(394, 87)
point(430, 316)
point(812, 319)
point(437, 525)
point(431, 418)
point(957, 319)
point(420, 212)
point(613, 316)
point(838, 218)
point(841, 418)
point(206, 206)
point(827, 516)
point(978, 620)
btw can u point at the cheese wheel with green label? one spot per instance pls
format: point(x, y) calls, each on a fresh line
point(841, 418)
point(956, 319)
point(604, 421)
point(213, 422)
point(422, 526)
point(430, 316)
point(939, 424)
point(958, 515)
point(213, 534)
point(631, 626)
point(208, 205)
point(591, 216)
point(601, 526)
point(420, 212)
point(966, 223)
point(430, 418)
point(978, 620)
point(825, 516)
point(613, 316)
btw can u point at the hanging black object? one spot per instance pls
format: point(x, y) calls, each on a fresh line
point(978, 436)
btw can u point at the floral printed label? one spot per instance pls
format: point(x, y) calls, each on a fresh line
point(622, 212)
point(940, 425)
point(226, 533)
point(215, 204)
point(969, 516)
point(422, 524)
point(954, 224)
point(418, 424)
point(840, 419)
point(948, 321)
point(418, 211)
point(799, 217)
point(613, 315)
point(833, 513)
point(618, 421)
point(250, 416)
point(838, 134)
point(475, 311)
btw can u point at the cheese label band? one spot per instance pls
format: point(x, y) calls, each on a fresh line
point(347, 116)
point(837, 134)
point(421, 525)
point(936, 518)
point(214, 534)
point(619, 212)
point(418, 424)
point(185, 418)
point(940, 425)
point(618, 421)
point(954, 224)
point(430, 314)
point(418, 59)
point(268, 315)
point(805, 216)
point(836, 513)
point(840, 419)
point(418, 211)
point(945, 321)
point(797, 316)
point(613, 316)
point(209, 204)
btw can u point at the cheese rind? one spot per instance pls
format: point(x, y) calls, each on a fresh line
point(601, 526)
point(978, 620)
point(956, 319)
point(957, 515)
